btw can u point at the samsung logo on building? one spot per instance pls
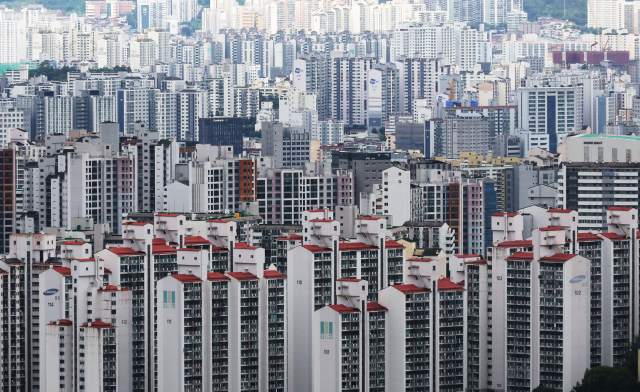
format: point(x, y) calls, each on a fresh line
point(373, 81)
point(578, 279)
point(297, 70)
point(50, 292)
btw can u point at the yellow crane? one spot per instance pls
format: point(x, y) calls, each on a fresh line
point(450, 84)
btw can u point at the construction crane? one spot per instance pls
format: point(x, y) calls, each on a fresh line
point(595, 22)
point(451, 83)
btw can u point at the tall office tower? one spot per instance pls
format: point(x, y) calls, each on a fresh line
point(348, 92)
point(606, 179)
point(555, 111)
point(312, 75)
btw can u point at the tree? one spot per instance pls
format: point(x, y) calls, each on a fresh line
point(544, 389)
point(631, 356)
point(608, 379)
point(132, 19)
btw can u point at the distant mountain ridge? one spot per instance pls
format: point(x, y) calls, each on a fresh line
point(575, 11)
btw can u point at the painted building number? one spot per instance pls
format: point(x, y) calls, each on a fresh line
point(298, 282)
point(168, 321)
point(578, 292)
point(326, 351)
point(499, 277)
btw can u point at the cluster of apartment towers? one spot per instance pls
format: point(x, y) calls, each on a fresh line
point(179, 308)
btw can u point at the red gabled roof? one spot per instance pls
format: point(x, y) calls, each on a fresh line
point(419, 259)
point(243, 275)
point(291, 237)
point(346, 246)
point(393, 245)
point(344, 309)
point(367, 218)
point(551, 228)
point(172, 215)
point(98, 324)
point(190, 249)
point(217, 276)
point(375, 307)
point(219, 220)
point(162, 249)
point(62, 323)
point(159, 241)
point(477, 262)
point(516, 244)
point(107, 271)
point(349, 280)
point(125, 252)
point(410, 288)
point(445, 284)
point(186, 278)
point(218, 249)
point(84, 260)
point(242, 245)
point(73, 243)
point(316, 248)
point(521, 256)
point(66, 271)
point(502, 214)
point(615, 236)
point(321, 220)
point(559, 211)
point(588, 237)
point(136, 223)
point(271, 274)
point(112, 288)
point(619, 208)
point(466, 256)
point(197, 240)
point(558, 257)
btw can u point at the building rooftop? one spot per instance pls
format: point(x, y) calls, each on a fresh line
point(185, 278)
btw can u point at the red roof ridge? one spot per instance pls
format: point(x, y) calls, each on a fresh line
point(316, 248)
point(73, 243)
point(242, 275)
point(558, 257)
point(242, 245)
point(343, 309)
point(509, 214)
point(516, 244)
point(346, 246)
point(521, 256)
point(559, 210)
point(391, 244)
point(410, 288)
point(375, 307)
point(98, 324)
point(271, 274)
point(466, 256)
point(445, 284)
point(551, 228)
point(186, 278)
point(217, 276)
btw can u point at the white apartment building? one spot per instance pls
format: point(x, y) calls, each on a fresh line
point(556, 111)
point(392, 197)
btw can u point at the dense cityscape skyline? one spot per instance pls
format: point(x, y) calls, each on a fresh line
point(319, 196)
